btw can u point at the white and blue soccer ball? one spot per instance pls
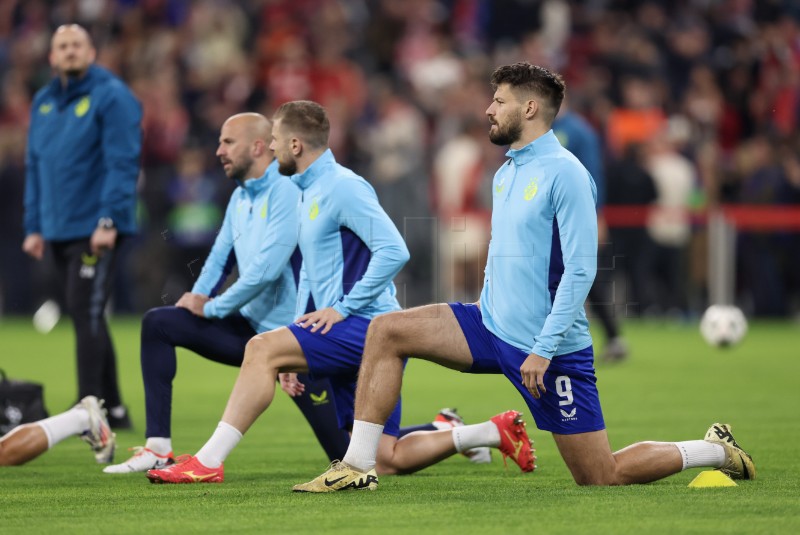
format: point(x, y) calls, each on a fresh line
point(723, 325)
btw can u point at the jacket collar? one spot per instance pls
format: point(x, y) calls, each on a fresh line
point(254, 186)
point(318, 168)
point(540, 145)
point(76, 86)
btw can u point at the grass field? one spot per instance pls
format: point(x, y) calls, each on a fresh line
point(672, 388)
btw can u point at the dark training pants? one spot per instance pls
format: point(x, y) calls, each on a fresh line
point(86, 280)
point(221, 340)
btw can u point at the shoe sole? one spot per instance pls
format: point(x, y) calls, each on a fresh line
point(159, 481)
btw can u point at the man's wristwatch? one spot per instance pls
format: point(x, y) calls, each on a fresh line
point(105, 223)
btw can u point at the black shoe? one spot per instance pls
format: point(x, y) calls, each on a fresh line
point(119, 422)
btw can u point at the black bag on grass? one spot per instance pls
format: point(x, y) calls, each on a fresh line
point(20, 402)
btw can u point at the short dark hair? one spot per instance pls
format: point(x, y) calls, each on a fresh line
point(534, 79)
point(306, 119)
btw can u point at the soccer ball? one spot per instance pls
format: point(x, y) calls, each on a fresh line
point(723, 325)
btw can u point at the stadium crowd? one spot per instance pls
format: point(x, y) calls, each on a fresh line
point(697, 103)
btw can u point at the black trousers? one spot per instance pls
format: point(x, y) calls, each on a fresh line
point(86, 280)
point(222, 340)
point(601, 294)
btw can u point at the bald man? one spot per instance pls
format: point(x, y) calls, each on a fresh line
point(259, 235)
point(82, 164)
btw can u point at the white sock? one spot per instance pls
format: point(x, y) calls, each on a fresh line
point(219, 446)
point(73, 422)
point(701, 453)
point(467, 437)
point(363, 446)
point(159, 445)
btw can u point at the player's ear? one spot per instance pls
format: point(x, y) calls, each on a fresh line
point(531, 107)
point(259, 147)
point(297, 146)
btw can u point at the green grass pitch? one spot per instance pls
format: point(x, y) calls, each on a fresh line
point(672, 388)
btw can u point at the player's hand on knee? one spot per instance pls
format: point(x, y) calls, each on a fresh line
point(183, 302)
point(193, 303)
point(320, 319)
point(532, 371)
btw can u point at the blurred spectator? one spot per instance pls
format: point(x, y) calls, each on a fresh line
point(395, 145)
point(639, 118)
point(629, 183)
point(731, 67)
point(768, 258)
point(15, 268)
point(192, 221)
point(668, 224)
point(462, 175)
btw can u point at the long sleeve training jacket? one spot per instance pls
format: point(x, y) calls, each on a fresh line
point(259, 235)
point(543, 250)
point(83, 156)
point(351, 249)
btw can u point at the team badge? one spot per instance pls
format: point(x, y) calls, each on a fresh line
point(531, 189)
point(82, 106)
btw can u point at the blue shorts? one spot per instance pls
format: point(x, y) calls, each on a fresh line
point(571, 404)
point(337, 356)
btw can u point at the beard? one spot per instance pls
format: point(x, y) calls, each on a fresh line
point(73, 71)
point(239, 172)
point(510, 133)
point(287, 168)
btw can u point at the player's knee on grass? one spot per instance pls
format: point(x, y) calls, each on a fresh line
point(593, 480)
point(384, 469)
point(595, 474)
point(589, 459)
point(385, 466)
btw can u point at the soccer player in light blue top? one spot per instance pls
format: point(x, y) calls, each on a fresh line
point(529, 324)
point(259, 236)
point(351, 252)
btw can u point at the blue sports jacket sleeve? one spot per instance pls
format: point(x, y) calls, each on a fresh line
point(215, 269)
point(121, 119)
point(574, 206)
point(272, 256)
point(365, 217)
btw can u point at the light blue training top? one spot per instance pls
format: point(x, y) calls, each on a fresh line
point(259, 235)
point(351, 249)
point(543, 250)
